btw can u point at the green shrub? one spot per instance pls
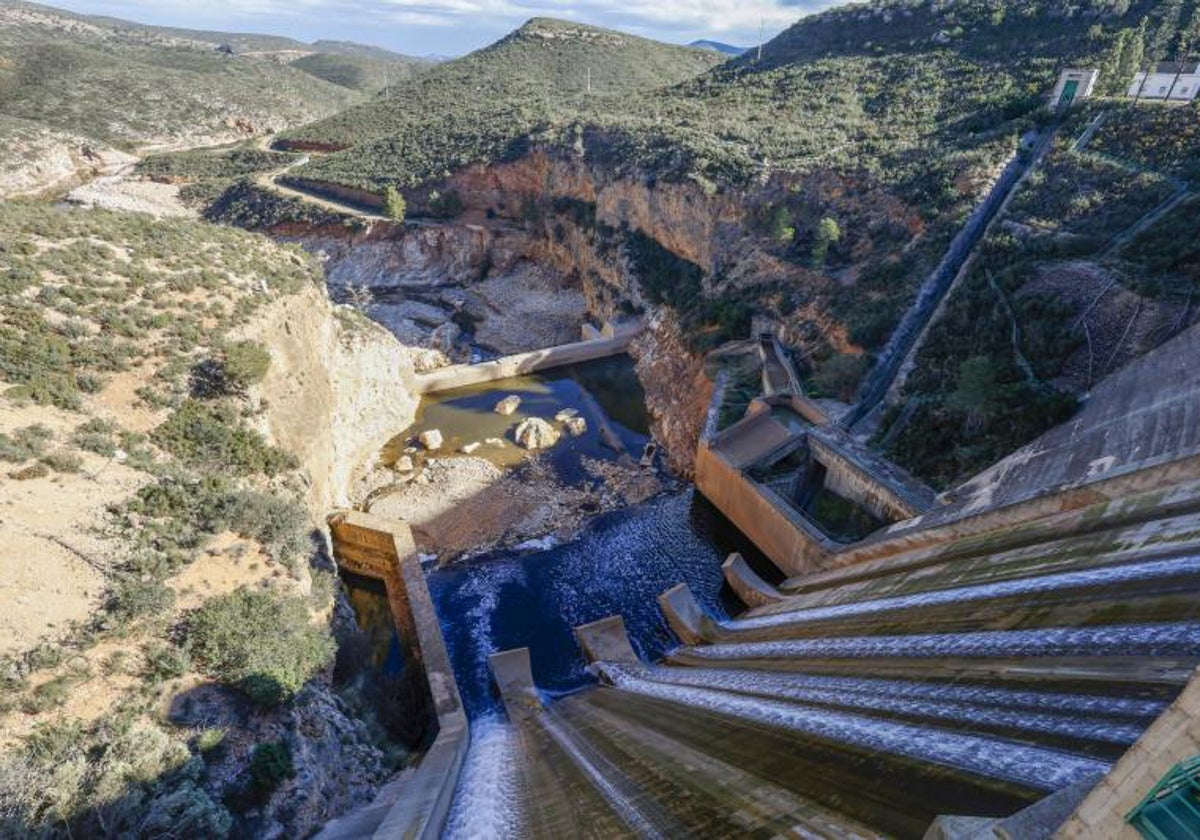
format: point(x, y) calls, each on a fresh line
point(260, 641)
point(210, 740)
point(131, 598)
point(164, 662)
point(280, 524)
point(839, 375)
point(829, 232)
point(96, 436)
point(63, 461)
point(212, 436)
point(246, 363)
point(25, 443)
point(271, 766)
point(394, 206)
point(48, 695)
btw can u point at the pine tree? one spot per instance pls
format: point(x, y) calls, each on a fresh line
point(393, 204)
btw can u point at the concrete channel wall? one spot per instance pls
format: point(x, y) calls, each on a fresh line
point(610, 341)
point(779, 531)
point(418, 805)
point(1173, 738)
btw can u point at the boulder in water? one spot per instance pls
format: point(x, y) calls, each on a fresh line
point(508, 405)
point(577, 426)
point(431, 439)
point(470, 447)
point(536, 433)
point(405, 464)
point(565, 415)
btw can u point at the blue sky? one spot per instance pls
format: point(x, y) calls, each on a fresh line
point(452, 27)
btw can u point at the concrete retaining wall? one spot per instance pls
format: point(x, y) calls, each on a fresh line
point(1174, 737)
point(416, 807)
point(792, 544)
point(521, 364)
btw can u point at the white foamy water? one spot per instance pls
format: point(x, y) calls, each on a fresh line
point(486, 801)
point(1036, 767)
point(487, 585)
point(1181, 639)
point(975, 712)
point(1007, 698)
point(1089, 578)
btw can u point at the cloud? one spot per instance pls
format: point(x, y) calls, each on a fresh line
point(453, 26)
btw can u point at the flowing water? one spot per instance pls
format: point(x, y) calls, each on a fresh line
point(621, 563)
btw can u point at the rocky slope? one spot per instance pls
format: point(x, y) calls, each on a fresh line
point(338, 388)
point(134, 474)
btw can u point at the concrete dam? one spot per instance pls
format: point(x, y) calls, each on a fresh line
point(1012, 658)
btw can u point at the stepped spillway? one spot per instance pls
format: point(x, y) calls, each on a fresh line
point(868, 707)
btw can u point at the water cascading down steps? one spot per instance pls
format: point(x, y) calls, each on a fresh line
point(860, 706)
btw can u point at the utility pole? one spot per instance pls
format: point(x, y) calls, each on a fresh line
point(761, 25)
point(589, 80)
point(1142, 86)
point(1179, 65)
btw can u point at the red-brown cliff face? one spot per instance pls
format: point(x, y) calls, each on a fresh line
point(574, 220)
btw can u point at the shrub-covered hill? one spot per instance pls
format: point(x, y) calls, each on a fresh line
point(897, 88)
point(535, 75)
point(183, 628)
point(1094, 262)
point(126, 85)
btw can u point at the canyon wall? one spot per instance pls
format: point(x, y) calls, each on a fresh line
point(339, 386)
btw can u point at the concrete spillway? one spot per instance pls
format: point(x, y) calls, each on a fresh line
point(772, 719)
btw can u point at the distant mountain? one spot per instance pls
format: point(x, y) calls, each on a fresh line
point(473, 107)
point(717, 46)
point(126, 85)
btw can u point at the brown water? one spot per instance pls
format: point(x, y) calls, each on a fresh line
point(606, 393)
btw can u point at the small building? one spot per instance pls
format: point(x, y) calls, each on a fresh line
point(1174, 81)
point(1074, 85)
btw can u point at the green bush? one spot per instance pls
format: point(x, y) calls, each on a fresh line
point(246, 363)
point(280, 524)
point(165, 662)
point(260, 641)
point(839, 375)
point(212, 436)
point(130, 599)
point(96, 436)
point(63, 461)
point(23, 444)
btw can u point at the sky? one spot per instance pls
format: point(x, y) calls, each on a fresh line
point(454, 27)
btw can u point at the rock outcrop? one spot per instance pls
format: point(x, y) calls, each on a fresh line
point(677, 391)
point(339, 386)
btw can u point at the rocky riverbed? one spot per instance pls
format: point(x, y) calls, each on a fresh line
point(524, 461)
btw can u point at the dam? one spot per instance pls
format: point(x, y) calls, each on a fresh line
point(1010, 658)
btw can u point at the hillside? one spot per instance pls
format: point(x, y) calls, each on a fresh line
point(891, 121)
point(166, 623)
point(1093, 264)
point(717, 46)
point(473, 107)
point(73, 88)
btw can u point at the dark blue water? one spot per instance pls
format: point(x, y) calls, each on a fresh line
point(621, 563)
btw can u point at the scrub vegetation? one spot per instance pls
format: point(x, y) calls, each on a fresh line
point(102, 735)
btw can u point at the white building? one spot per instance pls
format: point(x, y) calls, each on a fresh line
point(1179, 82)
point(1074, 85)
